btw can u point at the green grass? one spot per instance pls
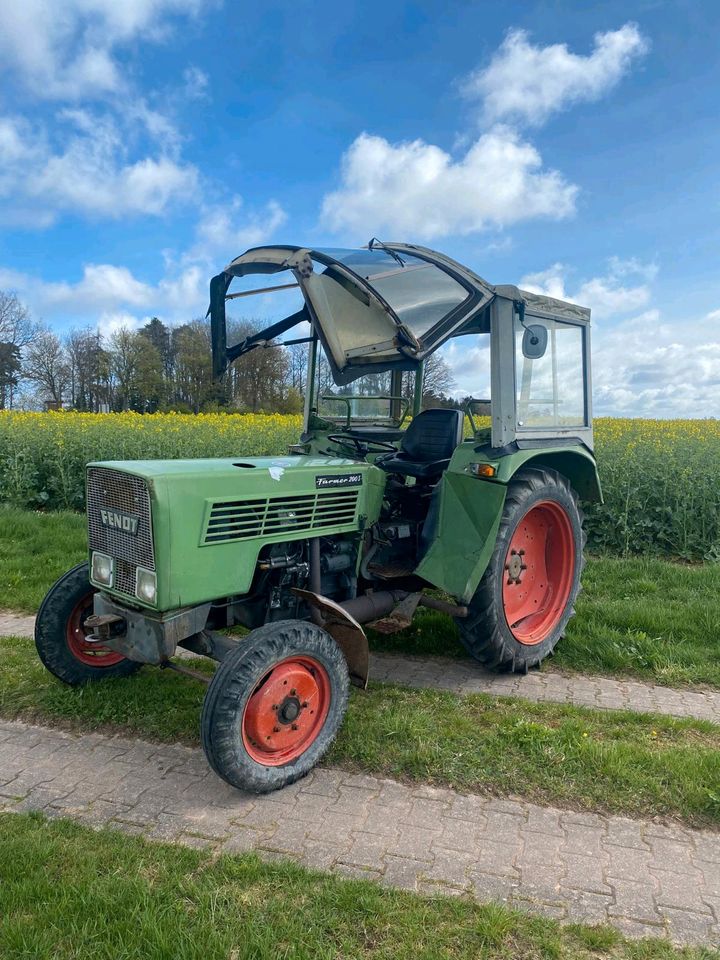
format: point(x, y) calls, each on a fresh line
point(594, 760)
point(86, 895)
point(35, 549)
point(646, 618)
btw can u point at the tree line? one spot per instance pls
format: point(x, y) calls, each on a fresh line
point(160, 367)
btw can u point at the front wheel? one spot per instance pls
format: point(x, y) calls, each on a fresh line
point(60, 634)
point(523, 602)
point(274, 706)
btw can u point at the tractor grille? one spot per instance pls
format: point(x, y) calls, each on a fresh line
point(270, 516)
point(114, 500)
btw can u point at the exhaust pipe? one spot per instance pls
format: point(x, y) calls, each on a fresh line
point(374, 606)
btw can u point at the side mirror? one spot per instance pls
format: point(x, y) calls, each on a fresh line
point(534, 341)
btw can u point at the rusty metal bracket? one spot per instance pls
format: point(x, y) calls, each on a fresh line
point(400, 617)
point(452, 609)
point(345, 631)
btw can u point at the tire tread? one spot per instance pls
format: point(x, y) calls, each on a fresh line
point(50, 625)
point(482, 634)
point(232, 684)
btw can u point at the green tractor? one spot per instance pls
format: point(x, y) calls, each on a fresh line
point(372, 514)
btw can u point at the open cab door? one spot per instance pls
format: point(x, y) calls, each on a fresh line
point(382, 308)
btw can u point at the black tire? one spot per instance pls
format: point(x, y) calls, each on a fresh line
point(51, 632)
point(224, 713)
point(486, 633)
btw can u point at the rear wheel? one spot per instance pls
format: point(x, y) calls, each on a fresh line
point(523, 602)
point(274, 706)
point(60, 636)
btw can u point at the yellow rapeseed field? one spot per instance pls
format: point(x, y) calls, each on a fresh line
point(661, 478)
point(43, 455)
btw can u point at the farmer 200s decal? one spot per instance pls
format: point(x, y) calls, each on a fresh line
point(333, 480)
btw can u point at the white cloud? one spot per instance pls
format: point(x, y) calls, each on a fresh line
point(103, 287)
point(135, 114)
point(110, 323)
point(469, 360)
point(111, 296)
point(416, 189)
point(549, 282)
point(607, 298)
point(226, 230)
point(13, 280)
point(66, 49)
point(528, 83)
point(644, 365)
point(605, 295)
point(92, 172)
point(123, 159)
point(632, 266)
point(653, 367)
point(182, 295)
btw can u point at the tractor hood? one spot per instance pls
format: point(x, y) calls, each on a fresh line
point(200, 524)
point(381, 308)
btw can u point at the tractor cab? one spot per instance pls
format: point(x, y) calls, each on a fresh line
point(372, 317)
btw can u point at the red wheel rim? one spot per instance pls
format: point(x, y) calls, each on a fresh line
point(88, 653)
point(538, 572)
point(286, 711)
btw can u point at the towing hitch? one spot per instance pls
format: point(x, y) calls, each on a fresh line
point(102, 627)
point(140, 635)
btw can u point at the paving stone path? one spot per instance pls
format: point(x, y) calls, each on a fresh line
point(603, 693)
point(644, 878)
point(16, 624)
point(464, 676)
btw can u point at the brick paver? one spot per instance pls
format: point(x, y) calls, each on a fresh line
point(603, 693)
point(465, 676)
point(645, 878)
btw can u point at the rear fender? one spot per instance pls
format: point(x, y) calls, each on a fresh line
point(469, 513)
point(470, 508)
point(576, 463)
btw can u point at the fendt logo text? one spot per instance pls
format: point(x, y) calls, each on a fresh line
point(119, 521)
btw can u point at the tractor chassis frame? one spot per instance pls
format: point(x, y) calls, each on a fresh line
point(154, 640)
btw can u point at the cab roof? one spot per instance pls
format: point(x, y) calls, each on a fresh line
point(383, 307)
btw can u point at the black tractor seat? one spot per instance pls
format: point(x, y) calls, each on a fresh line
point(427, 444)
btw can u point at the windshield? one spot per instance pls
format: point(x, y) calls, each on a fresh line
point(420, 293)
point(368, 399)
point(355, 408)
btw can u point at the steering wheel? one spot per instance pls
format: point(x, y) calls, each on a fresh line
point(359, 446)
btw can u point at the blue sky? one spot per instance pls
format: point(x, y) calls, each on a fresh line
point(570, 147)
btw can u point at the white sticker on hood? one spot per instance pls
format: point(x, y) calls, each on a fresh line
point(276, 472)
